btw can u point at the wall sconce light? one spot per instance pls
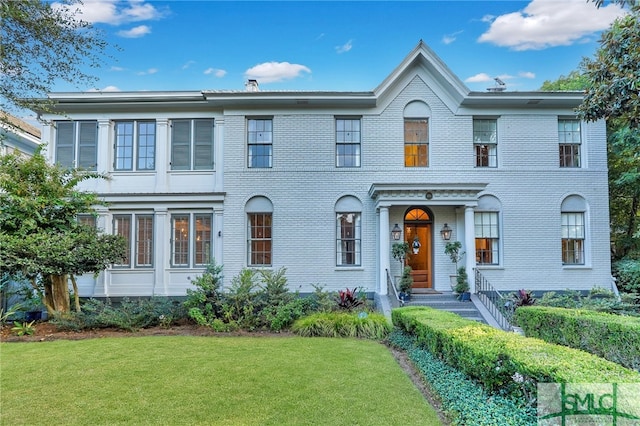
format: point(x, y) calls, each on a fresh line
point(445, 232)
point(396, 232)
point(219, 233)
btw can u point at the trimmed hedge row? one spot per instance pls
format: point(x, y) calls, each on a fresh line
point(502, 361)
point(613, 337)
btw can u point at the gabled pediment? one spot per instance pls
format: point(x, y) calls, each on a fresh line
point(422, 62)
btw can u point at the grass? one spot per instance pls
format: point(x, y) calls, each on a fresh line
point(180, 380)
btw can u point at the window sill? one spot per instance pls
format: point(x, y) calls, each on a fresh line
point(574, 267)
point(349, 268)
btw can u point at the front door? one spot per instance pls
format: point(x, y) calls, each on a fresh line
point(418, 231)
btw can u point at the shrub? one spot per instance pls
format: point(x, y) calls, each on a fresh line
point(463, 400)
point(350, 299)
point(627, 272)
point(343, 324)
point(496, 358)
point(598, 299)
point(613, 337)
point(206, 296)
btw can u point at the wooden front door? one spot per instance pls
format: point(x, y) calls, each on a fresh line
point(418, 231)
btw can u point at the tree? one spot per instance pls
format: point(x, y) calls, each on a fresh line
point(40, 235)
point(40, 43)
point(614, 74)
point(575, 81)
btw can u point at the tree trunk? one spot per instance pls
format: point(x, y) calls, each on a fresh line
point(57, 294)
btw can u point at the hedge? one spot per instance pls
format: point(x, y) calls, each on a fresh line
point(613, 337)
point(502, 361)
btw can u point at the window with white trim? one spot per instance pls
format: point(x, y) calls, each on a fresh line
point(347, 142)
point(487, 238)
point(135, 146)
point(573, 238)
point(77, 144)
point(259, 142)
point(137, 230)
point(192, 144)
point(348, 241)
point(191, 239)
point(570, 140)
point(416, 142)
point(485, 142)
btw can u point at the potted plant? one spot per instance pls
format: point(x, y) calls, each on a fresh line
point(399, 251)
point(453, 250)
point(462, 284)
point(405, 284)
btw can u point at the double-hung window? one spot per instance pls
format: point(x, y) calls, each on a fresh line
point(77, 144)
point(348, 241)
point(485, 142)
point(259, 142)
point(347, 142)
point(137, 230)
point(192, 144)
point(191, 242)
point(487, 237)
point(573, 237)
point(259, 239)
point(569, 139)
point(135, 147)
point(416, 142)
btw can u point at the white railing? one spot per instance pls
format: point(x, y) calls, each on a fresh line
point(491, 298)
point(394, 298)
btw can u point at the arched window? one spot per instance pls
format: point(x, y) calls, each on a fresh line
point(573, 230)
point(416, 134)
point(487, 230)
point(259, 212)
point(348, 231)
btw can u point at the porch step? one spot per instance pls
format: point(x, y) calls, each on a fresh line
point(447, 302)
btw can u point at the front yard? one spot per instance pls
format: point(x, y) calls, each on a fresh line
point(207, 380)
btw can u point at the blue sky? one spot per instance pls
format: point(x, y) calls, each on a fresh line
point(341, 45)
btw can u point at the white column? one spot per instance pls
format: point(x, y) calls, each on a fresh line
point(105, 155)
point(161, 252)
point(384, 249)
point(162, 154)
point(470, 246)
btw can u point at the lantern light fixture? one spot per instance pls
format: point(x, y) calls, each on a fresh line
point(396, 232)
point(445, 232)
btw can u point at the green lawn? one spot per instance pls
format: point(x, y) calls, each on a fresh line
point(207, 380)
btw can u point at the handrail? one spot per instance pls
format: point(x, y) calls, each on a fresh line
point(489, 297)
point(390, 285)
point(614, 288)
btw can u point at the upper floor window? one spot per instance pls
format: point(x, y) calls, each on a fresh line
point(191, 239)
point(137, 230)
point(416, 142)
point(569, 139)
point(77, 144)
point(259, 142)
point(487, 237)
point(135, 146)
point(347, 142)
point(192, 144)
point(485, 142)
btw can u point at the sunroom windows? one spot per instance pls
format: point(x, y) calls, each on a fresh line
point(137, 230)
point(135, 147)
point(191, 239)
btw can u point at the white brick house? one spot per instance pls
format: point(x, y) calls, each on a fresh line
point(316, 181)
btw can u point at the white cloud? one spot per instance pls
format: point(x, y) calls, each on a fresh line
point(106, 89)
point(117, 69)
point(188, 64)
point(148, 72)
point(135, 32)
point(450, 38)
point(479, 78)
point(526, 74)
point(345, 47)
point(548, 23)
point(271, 72)
point(117, 12)
point(215, 71)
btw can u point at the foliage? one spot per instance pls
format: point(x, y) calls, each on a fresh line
point(206, 299)
point(463, 400)
point(129, 314)
point(614, 74)
point(43, 43)
point(598, 299)
point(40, 235)
point(574, 81)
point(462, 281)
point(523, 298)
point(399, 251)
point(342, 324)
point(23, 328)
point(406, 282)
point(453, 250)
point(627, 272)
point(5, 315)
point(350, 299)
point(494, 357)
point(613, 337)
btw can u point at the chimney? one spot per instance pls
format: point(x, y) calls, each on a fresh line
point(251, 85)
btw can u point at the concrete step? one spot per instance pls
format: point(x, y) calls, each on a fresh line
point(447, 302)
